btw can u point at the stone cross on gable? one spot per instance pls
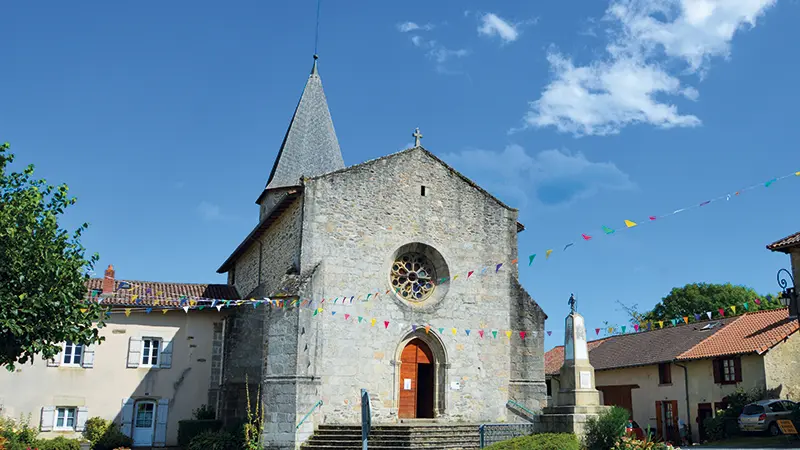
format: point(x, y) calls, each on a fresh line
point(417, 136)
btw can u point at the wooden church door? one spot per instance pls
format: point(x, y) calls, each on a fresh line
point(417, 380)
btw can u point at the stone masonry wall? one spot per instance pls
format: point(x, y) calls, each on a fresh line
point(780, 368)
point(354, 223)
point(259, 272)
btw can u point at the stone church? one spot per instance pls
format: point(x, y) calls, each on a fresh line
point(394, 226)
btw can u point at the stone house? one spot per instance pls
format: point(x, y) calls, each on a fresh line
point(388, 235)
point(152, 370)
point(685, 372)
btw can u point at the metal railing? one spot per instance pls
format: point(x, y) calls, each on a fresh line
point(308, 414)
point(511, 403)
point(492, 433)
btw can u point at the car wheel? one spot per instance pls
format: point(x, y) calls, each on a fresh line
point(773, 429)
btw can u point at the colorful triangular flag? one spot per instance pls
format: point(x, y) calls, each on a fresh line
point(530, 259)
point(547, 254)
point(608, 230)
point(630, 223)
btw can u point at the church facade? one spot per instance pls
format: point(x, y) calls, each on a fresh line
point(382, 243)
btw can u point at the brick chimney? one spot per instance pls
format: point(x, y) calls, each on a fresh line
point(108, 280)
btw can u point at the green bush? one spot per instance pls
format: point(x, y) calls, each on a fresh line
point(95, 428)
point(59, 443)
point(111, 438)
point(188, 429)
point(216, 440)
point(715, 427)
point(540, 441)
point(204, 412)
point(18, 435)
point(603, 431)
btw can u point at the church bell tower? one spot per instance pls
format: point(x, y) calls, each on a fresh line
point(309, 148)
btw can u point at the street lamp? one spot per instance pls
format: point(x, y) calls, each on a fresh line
point(788, 293)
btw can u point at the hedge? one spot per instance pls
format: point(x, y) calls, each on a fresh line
point(188, 429)
point(540, 441)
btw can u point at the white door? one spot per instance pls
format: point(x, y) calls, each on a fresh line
point(144, 423)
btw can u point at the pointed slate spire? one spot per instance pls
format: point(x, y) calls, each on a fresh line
point(310, 147)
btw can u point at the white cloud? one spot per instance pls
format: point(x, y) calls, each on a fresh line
point(628, 85)
point(405, 27)
point(551, 177)
point(438, 53)
point(493, 25)
point(209, 211)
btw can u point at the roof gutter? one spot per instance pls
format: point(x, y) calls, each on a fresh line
point(688, 405)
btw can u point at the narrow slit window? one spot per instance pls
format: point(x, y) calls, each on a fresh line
point(422, 191)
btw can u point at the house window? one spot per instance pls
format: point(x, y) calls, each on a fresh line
point(727, 370)
point(150, 351)
point(65, 418)
point(72, 354)
point(549, 387)
point(665, 373)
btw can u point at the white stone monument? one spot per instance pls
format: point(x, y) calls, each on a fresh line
point(578, 400)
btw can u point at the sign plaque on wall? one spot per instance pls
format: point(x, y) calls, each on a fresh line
point(407, 384)
point(586, 380)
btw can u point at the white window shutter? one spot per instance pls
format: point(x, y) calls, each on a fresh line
point(134, 352)
point(166, 355)
point(162, 415)
point(88, 357)
point(48, 418)
point(126, 425)
point(80, 420)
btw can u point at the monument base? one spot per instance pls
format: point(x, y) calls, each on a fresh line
point(568, 419)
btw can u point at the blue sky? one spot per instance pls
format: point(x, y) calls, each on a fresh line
point(165, 118)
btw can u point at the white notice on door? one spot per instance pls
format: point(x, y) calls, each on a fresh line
point(407, 384)
point(586, 380)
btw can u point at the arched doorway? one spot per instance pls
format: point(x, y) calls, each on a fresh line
point(417, 381)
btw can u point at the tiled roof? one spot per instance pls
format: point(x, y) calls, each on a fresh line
point(786, 243)
point(639, 349)
point(753, 332)
point(554, 359)
point(149, 293)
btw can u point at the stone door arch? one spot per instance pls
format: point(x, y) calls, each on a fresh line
point(420, 376)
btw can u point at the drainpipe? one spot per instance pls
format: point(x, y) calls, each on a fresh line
point(688, 406)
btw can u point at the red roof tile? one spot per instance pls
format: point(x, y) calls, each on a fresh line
point(554, 359)
point(150, 293)
point(754, 332)
point(785, 243)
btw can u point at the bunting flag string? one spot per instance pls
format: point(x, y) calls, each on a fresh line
point(401, 324)
point(470, 274)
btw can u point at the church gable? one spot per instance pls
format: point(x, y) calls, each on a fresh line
point(400, 159)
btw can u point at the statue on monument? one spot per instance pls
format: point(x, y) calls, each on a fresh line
point(573, 303)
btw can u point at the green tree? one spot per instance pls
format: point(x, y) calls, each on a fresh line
point(43, 270)
point(697, 298)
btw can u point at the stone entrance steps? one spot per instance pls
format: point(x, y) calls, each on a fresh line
point(403, 436)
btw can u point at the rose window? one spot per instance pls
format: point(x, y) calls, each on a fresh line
point(412, 277)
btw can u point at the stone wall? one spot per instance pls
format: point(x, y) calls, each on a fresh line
point(259, 273)
point(780, 368)
point(355, 221)
point(276, 252)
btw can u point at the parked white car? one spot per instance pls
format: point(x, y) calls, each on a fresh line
point(763, 415)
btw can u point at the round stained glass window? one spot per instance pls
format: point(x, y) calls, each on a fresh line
point(412, 277)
